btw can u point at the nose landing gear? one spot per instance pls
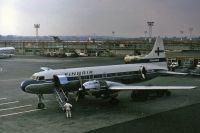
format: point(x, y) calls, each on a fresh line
point(40, 103)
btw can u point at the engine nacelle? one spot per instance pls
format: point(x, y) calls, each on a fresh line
point(99, 88)
point(96, 85)
point(93, 84)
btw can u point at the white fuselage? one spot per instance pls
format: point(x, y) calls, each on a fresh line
point(7, 51)
point(99, 71)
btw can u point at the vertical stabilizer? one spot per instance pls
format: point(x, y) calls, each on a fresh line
point(157, 54)
point(158, 50)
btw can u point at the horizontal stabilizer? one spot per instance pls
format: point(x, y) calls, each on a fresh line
point(45, 68)
point(151, 87)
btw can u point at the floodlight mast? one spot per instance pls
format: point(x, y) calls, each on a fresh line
point(190, 32)
point(145, 35)
point(150, 25)
point(181, 32)
point(36, 26)
point(113, 33)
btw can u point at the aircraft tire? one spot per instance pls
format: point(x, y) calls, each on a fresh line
point(134, 96)
point(143, 97)
point(81, 95)
point(168, 93)
point(160, 93)
point(114, 101)
point(40, 106)
point(139, 96)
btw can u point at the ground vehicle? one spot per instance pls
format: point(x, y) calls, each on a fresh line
point(198, 64)
point(173, 65)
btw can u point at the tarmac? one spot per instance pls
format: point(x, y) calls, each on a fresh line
point(181, 120)
point(18, 111)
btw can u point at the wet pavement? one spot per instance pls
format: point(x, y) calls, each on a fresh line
point(18, 111)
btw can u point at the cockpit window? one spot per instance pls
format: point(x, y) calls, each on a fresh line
point(41, 78)
point(34, 77)
point(37, 77)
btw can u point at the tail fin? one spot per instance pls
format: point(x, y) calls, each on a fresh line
point(158, 50)
point(157, 55)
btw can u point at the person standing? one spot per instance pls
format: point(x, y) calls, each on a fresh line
point(68, 107)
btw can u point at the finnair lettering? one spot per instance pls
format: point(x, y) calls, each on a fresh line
point(154, 60)
point(79, 73)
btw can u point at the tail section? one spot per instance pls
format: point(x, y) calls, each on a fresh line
point(158, 50)
point(157, 54)
point(155, 57)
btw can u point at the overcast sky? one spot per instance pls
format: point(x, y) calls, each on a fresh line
point(86, 17)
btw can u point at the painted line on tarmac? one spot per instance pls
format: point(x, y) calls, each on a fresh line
point(20, 112)
point(17, 79)
point(3, 98)
point(17, 107)
point(9, 103)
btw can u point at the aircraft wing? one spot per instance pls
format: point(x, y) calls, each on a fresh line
point(132, 87)
point(45, 68)
point(119, 86)
point(172, 73)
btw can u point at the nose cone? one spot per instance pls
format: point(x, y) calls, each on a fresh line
point(24, 84)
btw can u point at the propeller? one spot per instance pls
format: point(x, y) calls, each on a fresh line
point(143, 72)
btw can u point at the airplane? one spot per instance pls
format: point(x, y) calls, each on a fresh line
point(56, 39)
point(80, 54)
point(103, 81)
point(132, 58)
point(6, 52)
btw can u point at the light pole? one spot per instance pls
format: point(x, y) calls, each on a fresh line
point(113, 33)
point(145, 35)
point(36, 26)
point(181, 32)
point(150, 25)
point(190, 32)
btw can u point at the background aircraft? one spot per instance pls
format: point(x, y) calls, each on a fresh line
point(6, 52)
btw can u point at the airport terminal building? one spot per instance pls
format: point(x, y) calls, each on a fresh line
point(180, 51)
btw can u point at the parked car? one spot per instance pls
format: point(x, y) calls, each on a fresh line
point(174, 64)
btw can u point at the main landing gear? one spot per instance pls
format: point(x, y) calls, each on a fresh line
point(40, 103)
point(143, 95)
point(79, 95)
point(113, 101)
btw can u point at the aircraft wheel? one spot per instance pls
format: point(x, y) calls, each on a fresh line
point(81, 95)
point(40, 106)
point(134, 96)
point(168, 93)
point(160, 93)
point(114, 101)
point(139, 96)
point(143, 97)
